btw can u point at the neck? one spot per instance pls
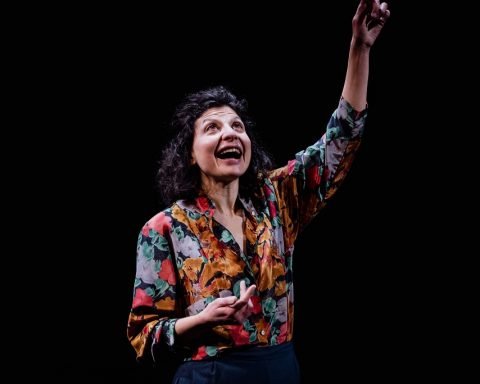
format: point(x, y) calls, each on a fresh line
point(224, 196)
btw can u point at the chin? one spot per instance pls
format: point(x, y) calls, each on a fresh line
point(231, 177)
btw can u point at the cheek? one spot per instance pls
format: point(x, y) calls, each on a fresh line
point(201, 149)
point(248, 149)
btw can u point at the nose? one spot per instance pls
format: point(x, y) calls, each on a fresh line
point(229, 133)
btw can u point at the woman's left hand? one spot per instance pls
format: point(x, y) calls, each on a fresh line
point(369, 20)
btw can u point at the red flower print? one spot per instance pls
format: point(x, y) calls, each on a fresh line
point(166, 272)
point(201, 353)
point(203, 204)
point(313, 178)
point(273, 210)
point(141, 299)
point(239, 335)
point(160, 223)
point(291, 166)
point(267, 191)
point(257, 304)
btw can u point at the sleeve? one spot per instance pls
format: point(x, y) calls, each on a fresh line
point(312, 178)
point(155, 308)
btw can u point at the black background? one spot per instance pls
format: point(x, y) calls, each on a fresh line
point(107, 91)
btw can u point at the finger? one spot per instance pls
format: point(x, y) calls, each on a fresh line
point(362, 8)
point(362, 5)
point(250, 291)
point(383, 7)
point(225, 312)
point(363, 11)
point(375, 10)
point(226, 301)
point(243, 288)
point(245, 298)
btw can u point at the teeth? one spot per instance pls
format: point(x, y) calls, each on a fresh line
point(225, 153)
point(232, 150)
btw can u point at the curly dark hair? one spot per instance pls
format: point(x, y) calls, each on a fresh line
point(177, 178)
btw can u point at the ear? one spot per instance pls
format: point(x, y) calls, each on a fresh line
point(192, 159)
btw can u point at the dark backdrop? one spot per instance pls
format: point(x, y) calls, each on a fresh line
point(116, 80)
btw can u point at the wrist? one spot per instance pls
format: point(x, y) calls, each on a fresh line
point(359, 45)
point(200, 319)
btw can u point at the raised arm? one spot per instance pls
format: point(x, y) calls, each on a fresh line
point(367, 24)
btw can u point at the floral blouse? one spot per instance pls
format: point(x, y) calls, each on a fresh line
point(186, 259)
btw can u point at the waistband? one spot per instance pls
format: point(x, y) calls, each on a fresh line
point(256, 352)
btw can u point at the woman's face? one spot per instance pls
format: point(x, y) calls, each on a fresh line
point(221, 147)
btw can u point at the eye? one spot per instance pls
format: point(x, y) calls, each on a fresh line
point(210, 127)
point(238, 126)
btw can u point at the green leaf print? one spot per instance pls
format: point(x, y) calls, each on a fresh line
point(157, 266)
point(193, 215)
point(147, 251)
point(226, 236)
point(268, 306)
point(161, 244)
point(276, 222)
point(179, 233)
point(211, 350)
point(333, 132)
point(179, 263)
point(248, 326)
point(236, 287)
point(161, 286)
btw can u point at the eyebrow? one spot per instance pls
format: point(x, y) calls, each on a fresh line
point(217, 119)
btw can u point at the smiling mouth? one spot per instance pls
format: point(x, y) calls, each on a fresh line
point(229, 153)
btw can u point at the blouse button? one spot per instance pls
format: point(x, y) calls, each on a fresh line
point(262, 332)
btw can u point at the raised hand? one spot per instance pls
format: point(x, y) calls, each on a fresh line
point(369, 20)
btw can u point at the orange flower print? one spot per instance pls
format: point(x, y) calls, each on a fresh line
point(208, 273)
point(191, 267)
point(166, 304)
point(233, 264)
point(263, 330)
point(280, 288)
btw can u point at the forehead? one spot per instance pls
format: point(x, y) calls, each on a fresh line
point(223, 112)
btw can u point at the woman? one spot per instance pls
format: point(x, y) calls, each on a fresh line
point(214, 270)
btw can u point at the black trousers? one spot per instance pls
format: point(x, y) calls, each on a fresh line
point(256, 365)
